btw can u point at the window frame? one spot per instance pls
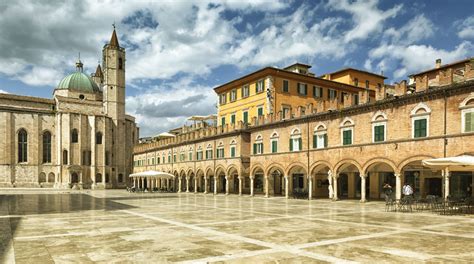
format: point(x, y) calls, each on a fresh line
point(22, 146)
point(463, 119)
point(245, 91)
point(233, 95)
point(260, 86)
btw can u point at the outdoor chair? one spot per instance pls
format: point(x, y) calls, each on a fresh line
point(390, 205)
point(405, 204)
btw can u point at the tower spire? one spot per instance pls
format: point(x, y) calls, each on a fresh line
point(114, 40)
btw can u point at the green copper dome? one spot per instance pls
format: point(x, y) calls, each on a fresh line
point(79, 81)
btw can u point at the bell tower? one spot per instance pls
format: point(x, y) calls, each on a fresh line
point(113, 63)
point(113, 68)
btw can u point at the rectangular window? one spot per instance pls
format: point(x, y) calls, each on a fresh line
point(209, 154)
point(469, 122)
point(343, 94)
point(220, 153)
point(302, 89)
point(317, 91)
point(223, 121)
point(190, 156)
point(158, 160)
point(260, 111)
point(233, 95)
point(379, 133)
point(356, 99)
point(347, 137)
point(199, 155)
point(257, 148)
point(232, 119)
point(286, 86)
point(232, 152)
point(332, 93)
point(169, 158)
point(286, 112)
point(245, 117)
point(274, 146)
point(260, 86)
point(245, 91)
point(356, 82)
point(223, 98)
point(174, 158)
point(367, 84)
point(296, 144)
point(420, 128)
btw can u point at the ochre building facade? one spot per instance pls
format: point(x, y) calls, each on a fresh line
point(337, 151)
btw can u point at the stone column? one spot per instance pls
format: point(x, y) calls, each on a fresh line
point(91, 120)
point(179, 184)
point(335, 197)
point(215, 184)
point(143, 182)
point(205, 185)
point(330, 189)
point(447, 175)
point(227, 185)
point(398, 186)
point(310, 187)
point(287, 185)
point(195, 184)
point(240, 186)
point(251, 186)
point(266, 186)
point(363, 178)
point(187, 184)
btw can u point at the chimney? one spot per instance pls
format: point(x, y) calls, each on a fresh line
point(438, 63)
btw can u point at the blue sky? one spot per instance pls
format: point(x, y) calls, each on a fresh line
point(177, 51)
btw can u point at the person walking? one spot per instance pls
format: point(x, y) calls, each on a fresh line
point(387, 190)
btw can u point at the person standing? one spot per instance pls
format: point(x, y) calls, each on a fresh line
point(407, 190)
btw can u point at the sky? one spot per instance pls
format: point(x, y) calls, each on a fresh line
point(178, 51)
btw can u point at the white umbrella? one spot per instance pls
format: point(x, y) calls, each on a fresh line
point(459, 163)
point(159, 174)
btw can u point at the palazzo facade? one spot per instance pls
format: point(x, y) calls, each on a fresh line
point(81, 138)
point(337, 149)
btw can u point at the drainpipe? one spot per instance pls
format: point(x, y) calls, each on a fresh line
point(445, 143)
point(310, 192)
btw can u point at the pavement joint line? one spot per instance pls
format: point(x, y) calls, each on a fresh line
point(246, 220)
point(290, 249)
point(231, 256)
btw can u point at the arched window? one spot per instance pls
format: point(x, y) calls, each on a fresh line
point(120, 63)
point(209, 154)
point(233, 148)
point(274, 142)
point(98, 138)
point(347, 131)
point(47, 147)
point(74, 136)
point(51, 177)
point(22, 146)
point(467, 114)
point(258, 145)
point(296, 143)
point(65, 157)
point(42, 177)
point(420, 120)
point(199, 153)
point(379, 127)
point(220, 150)
point(320, 136)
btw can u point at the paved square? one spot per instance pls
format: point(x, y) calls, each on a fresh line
point(43, 226)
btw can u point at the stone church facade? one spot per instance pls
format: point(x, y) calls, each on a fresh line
point(81, 138)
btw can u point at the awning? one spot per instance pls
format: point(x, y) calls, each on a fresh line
point(459, 163)
point(153, 174)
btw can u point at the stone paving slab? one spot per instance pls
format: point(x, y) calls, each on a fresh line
point(49, 226)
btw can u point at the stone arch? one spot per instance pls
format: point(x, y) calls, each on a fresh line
point(406, 161)
point(273, 166)
point(209, 172)
point(230, 168)
point(42, 177)
point(254, 168)
point(338, 166)
point(378, 160)
point(320, 126)
point(220, 168)
point(293, 165)
point(189, 172)
point(320, 163)
point(468, 101)
point(347, 121)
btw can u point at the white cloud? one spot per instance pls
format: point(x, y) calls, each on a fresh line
point(367, 17)
point(2, 91)
point(415, 58)
point(466, 28)
point(416, 29)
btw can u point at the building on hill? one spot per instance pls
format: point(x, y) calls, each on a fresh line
point(358, 78)
point(333, 150)
point(81, 138)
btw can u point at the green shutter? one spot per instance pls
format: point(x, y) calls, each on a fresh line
point(232, 152)
point(260, 111)
point(420, 128)
point(232, 119)
point(291, 144)
point(223, 121)
point(246, 117)
point(254, 148)
point(347, 137)
point(315, 141)
point(261, 147)
point(325, 140)
point(300, 143)
point(274, 146)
